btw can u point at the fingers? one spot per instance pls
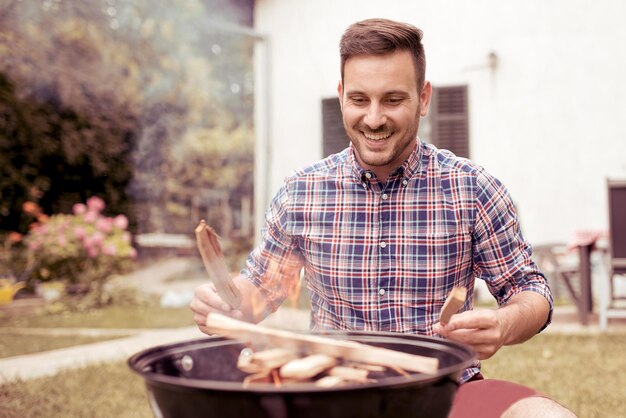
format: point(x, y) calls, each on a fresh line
point(478, 319)
point(479, 329)
point(205, 301)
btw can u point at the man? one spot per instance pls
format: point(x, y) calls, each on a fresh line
point(386, 228)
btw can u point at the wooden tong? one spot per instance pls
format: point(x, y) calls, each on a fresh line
point(213, 259)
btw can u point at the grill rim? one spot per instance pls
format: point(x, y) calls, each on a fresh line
point(143, 359)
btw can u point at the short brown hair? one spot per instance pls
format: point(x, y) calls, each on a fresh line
point(383, 36)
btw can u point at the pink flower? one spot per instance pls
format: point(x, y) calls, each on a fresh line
point(79, 209)
point(126, 236)
point(34, 246)
point(31, 208)
point(97, 238)
point(120, 222)
point(133, 253)
point(80, 232)
point(91, 216)
point(94, 203)
point(62, 241)
point(109, 249)
point(15, 236)
point(104, 225)
point(93, 252)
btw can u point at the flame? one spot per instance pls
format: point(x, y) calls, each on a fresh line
point(282, 281)
point(294, 294)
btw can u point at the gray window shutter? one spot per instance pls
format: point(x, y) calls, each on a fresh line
point(334, 135)
point(449, 119)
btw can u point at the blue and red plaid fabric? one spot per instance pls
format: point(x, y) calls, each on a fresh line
point(383, 256)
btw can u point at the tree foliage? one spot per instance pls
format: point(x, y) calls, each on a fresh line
point(134, 101)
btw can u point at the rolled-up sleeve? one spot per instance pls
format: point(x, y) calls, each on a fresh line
point(502, 258)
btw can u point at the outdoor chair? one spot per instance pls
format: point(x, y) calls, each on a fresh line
point(612, 295)
point(561, 267)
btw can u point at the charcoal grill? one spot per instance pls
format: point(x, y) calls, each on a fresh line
point(199, 378)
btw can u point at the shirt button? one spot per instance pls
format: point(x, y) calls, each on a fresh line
point(385, 196)
point(383, 244)
point(405, 182)
point(381, 292)
point(368, 174)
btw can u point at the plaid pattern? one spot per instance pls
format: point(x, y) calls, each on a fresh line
point(383, 256)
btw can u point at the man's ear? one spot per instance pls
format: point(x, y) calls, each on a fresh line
point(340, 93)
point(425, 96)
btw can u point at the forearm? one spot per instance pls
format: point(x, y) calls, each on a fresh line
point(253, 306)
point(523, 316)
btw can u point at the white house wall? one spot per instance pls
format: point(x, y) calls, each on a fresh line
point(548, 120)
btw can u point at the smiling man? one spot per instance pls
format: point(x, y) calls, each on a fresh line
point(382, 105)
point(385, 229)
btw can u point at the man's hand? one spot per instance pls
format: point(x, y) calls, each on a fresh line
point(487, 330)
point(480, 329)
point(253, 307)
point(206, 300)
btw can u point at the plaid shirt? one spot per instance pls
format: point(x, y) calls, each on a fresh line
point(383, 256)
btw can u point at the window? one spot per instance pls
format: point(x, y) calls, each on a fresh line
point(334, 138)
point(446, 125)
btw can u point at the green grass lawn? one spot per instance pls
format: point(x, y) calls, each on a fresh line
point(125, 316)
point(101, 391)
point(13, 343)
point(585, 373)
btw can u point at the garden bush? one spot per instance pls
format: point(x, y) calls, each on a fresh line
point(84, 248)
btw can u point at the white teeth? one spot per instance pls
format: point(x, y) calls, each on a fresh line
point(377, 137)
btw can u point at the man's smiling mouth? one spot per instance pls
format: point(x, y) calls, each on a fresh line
point(376, 136)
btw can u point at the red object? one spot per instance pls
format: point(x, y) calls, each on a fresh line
point(585, 237)
point(488, 398)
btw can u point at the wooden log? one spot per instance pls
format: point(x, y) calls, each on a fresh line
point(301, 343)
point(367, 367)
point(265, 360)
point(276, 378)
point(453, 303)
point(329, 381)
point(261, 377)
point(307, 367)
point(349, 373)
point(213, 260)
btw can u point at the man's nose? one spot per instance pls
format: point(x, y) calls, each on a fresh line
point(375, 117)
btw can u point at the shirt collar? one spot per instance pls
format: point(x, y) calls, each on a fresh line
point(407, 170)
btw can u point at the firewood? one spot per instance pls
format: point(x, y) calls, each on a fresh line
point(453, 303)
point(264, 360)
point(400, 371)
point(348, 350)
point(261, 377)
point(213, 260)
point(349, 373)
point(276, 378)
point(307, 367)
point(329, 381)
point(367, 367)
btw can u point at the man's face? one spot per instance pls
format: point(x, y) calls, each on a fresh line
point(381, 109)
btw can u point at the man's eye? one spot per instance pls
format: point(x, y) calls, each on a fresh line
point(358, 100)
point(394, 100)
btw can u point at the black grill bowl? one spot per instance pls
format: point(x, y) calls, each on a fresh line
point(199, 378)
